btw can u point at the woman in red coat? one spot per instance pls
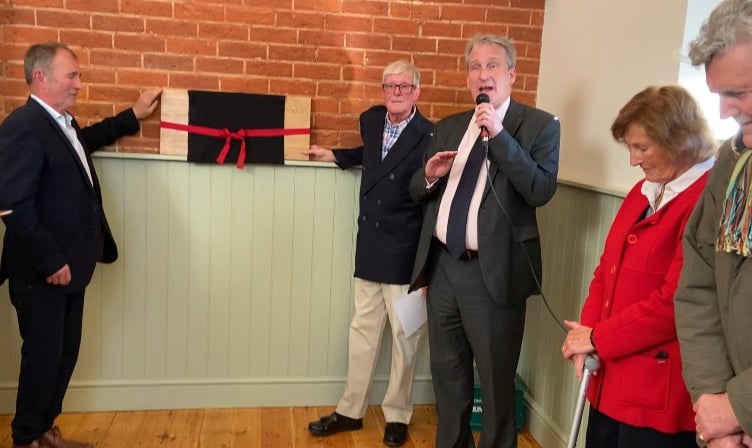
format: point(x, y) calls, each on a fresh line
point(637, 397)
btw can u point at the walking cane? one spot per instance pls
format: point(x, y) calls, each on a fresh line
point(591, 365)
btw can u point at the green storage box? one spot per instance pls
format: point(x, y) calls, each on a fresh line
point(476, 419)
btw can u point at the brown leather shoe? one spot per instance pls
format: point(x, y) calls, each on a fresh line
point(54, 439)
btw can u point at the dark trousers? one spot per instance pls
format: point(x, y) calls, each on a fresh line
point(50, 327)
point(605, 432)
point(465, 323)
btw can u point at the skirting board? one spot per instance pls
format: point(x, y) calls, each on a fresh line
point(188, 394)
point(546, 432)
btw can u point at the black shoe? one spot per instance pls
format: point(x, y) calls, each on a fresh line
point(395, 434)
point(334, 423)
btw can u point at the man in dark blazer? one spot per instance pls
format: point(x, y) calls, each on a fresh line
point(55, 231)
point(479, 251)
point(395, 138)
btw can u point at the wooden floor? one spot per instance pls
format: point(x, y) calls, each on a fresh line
point(235, 428)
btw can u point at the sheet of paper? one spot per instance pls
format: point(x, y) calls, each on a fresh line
point(411, 311)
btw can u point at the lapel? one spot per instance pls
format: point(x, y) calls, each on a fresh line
point(63, 137)
point(512, 122)
point(403, 147)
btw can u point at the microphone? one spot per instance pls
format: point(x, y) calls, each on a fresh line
point(483, 98)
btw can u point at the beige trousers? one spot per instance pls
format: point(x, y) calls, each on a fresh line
point(374, 303)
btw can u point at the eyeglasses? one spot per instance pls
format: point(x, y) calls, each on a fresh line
point(403, 88)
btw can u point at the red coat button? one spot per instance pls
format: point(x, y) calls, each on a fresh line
point(613, 269)
point(631, 238)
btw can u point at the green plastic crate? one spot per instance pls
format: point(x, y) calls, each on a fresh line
point(476, 419)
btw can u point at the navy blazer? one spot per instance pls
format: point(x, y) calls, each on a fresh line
point(524, 160)
point(389, 221)
point(57, 213)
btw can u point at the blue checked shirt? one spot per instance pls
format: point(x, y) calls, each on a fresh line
point(392, 133)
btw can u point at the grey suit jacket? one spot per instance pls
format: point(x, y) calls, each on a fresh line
point(524, 160)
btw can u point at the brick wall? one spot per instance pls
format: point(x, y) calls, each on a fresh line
point(331, 50)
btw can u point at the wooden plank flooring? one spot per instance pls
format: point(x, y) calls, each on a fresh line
point(235, 428)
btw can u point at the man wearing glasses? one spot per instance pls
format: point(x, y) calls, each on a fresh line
point(395, 137)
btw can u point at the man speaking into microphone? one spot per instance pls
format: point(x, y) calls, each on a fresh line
point(479, 256)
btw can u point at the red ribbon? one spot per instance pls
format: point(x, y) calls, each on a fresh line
point(241, 135)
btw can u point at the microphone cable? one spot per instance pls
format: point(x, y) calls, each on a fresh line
point(487, 162)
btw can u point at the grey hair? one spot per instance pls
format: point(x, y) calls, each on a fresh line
point(492, 39)
point(729, 23)
point(402, 66)
point(40, 57)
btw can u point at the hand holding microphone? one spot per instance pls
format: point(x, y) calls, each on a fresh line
point(480, 99)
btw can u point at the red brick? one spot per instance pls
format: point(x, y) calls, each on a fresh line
point(167, 27)
point(325, 105)
point(117, 23)
point(319, 5)
point(17, 16)
point(222, 31)
point(381, 59)
point(531, 4)
point(146, 8)
point(414, 44)
point(441, 29)
point(364, 7)
point(42, 3)
point(402, 27)
point(349, 139)
point(452, 78)
point(439, 62)
point(321, 38)
point(187, 47)
point(368, 40)
point(110, 58)
point(423, 11)
point(332, 89)
point(278, 5)
point(28, 34)
point(86, 39)
point(439, 111)
point(250, 16)
point(98, 75)
point(536, 18)
point(93, 111)
point(268, 35)
point(14, 71)
point(471, 29)
point(327, 139)
point(194, 81)
point(219, 65)
point(168, 62)
point(195, 11)
point(291, 87)
point(13, 87)
point(244, 84)
point(92, 5)
point(316, 71)
point(530, 83)
point(142, 78)
point(525, 34)
point(402, 10)
point(302, 20)
point(341, 56)
point(452, 46)
point(348, 23)
point(140, 43)
point(527, 66)
point(63, 19)
point(268, 68)
point(434, 95)
point(463, 13)
point(524, 97)
point(245, 50)
point(355, 106)
point(113, 94)
point(291, 53)
point(370, 73)
point(337, 121)
point(512, 16)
